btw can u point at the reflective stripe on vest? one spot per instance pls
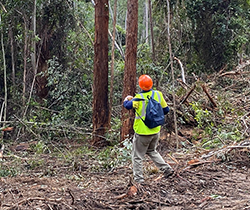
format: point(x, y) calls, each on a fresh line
point(143, 111)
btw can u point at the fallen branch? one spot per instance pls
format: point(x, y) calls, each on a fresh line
point(209, 96)
point(235, 147)
point(188, 94)
point(173, 158)
point(33, 199)
point(238, 69)
point(72, 196)
point(182, 70)
point(1, 152)
point(234, 73)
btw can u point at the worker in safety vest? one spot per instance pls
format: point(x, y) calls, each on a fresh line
point(146, 139)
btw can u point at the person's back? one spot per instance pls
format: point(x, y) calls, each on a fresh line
point(146, 139)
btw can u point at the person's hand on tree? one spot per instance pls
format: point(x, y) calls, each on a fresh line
point(128, 98)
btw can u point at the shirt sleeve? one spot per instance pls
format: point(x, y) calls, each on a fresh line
point(163, 102)
point(128, 104)
point(166, 110)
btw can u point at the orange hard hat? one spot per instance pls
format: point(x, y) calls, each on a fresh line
point(145, 82)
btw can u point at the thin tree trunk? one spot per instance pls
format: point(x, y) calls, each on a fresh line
point(117, 46)
point(146, 20)
point(129, 80)
point(5, 75)
point(33, 82)
point(112, 59)
point(152, 42)
point(33, 55)
point(173, 80)
point(12, 54)
point(25, 59)
point(151, 29)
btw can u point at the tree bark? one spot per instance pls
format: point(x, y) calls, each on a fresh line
point(146, 21)
point(12, 53)
point(5, 75)
point(33, 41)
point(25, 50)
point(152, 30)
point(129, 80)
point(172, 73)
point(112, 60)
point(156, 84)
point(101, 119)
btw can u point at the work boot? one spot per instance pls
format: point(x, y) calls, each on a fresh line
point(168, 172)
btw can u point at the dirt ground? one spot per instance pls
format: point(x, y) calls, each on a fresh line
point(201, 181)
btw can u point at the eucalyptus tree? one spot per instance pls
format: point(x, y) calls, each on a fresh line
point(101, 117)
point(129, 80)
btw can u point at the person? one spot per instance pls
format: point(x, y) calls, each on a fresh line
point(146, 139)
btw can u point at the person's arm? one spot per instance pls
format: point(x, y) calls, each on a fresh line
point(127, 103)
point(164, 105)
point(166, 110)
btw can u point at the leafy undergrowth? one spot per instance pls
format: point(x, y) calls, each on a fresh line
point(76, 177)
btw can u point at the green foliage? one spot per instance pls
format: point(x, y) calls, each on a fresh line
point(112, 157)
point(6, 171)
point(217, 130)
point(35, 164)
point(69, 95)
point(220, 30)
point(203, 117)
point(39, 148)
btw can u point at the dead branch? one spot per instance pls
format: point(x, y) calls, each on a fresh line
point(1, 152)
point(223, 69)
point(184, 85)
point(23, 123)
point(173, 159)
point(15, 156)
point(188, 94)
point(241, 147)
point(72, 196)
point(209, 96)
point(237, 70)
point(243, 65)
point(234, 73)
point(182, 70)
point(32, 199)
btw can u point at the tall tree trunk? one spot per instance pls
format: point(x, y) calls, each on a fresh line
point(129, 80)
point(146, 21)
point(152, 42)
point(33, 55)
point(101, 119)
point(172, 73)
point(41, 80)
point(25, 50)
point(5, 75)
point(151, 30)
point(12, 53)
point(112, 59)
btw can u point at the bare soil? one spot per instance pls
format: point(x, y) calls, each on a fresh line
point(201, 181)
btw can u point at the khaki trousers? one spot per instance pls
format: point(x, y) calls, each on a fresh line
point(146, 144)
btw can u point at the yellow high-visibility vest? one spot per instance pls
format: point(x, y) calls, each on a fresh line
point(140, 107)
